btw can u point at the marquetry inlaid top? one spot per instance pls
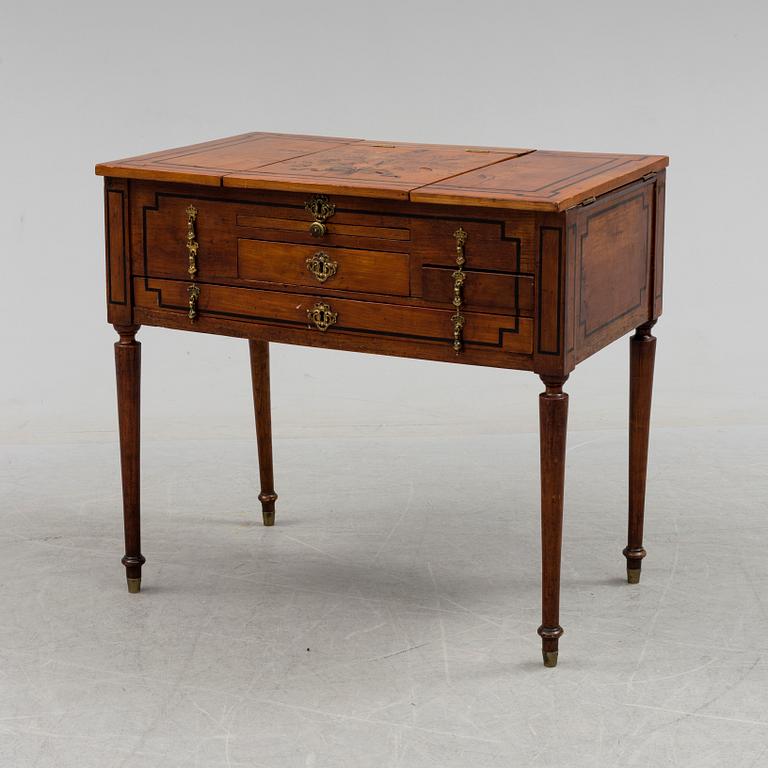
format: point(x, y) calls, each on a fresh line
point(429, 173)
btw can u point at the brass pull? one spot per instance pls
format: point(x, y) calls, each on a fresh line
point(322, 209)
point(192, 244)
point(321, 266)
point(459, 278)
point(194, 295)
point(322, 316)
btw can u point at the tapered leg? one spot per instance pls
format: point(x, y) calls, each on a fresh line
point(128, 371)
point(263, 410)
point(642, 352)
point(553, 422)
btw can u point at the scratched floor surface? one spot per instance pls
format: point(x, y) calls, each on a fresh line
point(388, 619)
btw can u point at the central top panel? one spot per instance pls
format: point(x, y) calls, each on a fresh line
point(372, 168)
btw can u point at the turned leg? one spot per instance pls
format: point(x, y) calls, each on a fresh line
point(261, 405)
point(642, 351)
point(128, 371)
point(553, 421)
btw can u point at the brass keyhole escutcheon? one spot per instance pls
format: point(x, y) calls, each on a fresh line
point(322, 316)
point(321, 266)
point(322, 209)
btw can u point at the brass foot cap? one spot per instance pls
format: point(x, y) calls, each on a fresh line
point(268, 517)
point(550, 658)
point(134, 586)
point(633, 575)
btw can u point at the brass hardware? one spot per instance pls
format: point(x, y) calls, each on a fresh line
point(633, 575)
point(192, 247)
point(322, 316)
point(321, 266)
point(192, 244)
point(459, 278)
point(194, 295)
point(322, 209)
point(268, 507)
point(479, 151)
point(550, 658)
point(461, 239)
point(134, 586)
point(588, 201)
point(649, 176)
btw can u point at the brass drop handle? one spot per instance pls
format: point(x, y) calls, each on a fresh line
point(322, 209)
point(192, 244)
point(321, 266)
point(194, 295)
point(459, 278)
point(192, 247)
point(322, 316)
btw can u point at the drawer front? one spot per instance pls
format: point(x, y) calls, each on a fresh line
point(508, 294)
point(341, 316)
point(506, 244)
point(338, 269)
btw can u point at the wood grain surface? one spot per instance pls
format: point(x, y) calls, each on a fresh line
point(499, 177)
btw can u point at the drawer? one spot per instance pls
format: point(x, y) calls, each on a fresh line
point(220, 226)
point(506, 244)
point(495, 292)
point(338, 269)
point(351, 316)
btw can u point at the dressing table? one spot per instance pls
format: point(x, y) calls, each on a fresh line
point(507, 257)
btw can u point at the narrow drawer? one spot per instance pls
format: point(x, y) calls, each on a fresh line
point(508, 294)
point(339, 269)
point(506, 244)
point(350, 316)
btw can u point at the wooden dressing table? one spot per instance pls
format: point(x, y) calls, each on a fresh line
point(512, 258)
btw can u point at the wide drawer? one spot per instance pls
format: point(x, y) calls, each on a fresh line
point(349, 316)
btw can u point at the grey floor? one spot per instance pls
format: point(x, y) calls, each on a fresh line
point(388, 619)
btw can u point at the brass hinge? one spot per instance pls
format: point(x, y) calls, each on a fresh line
point(649, 175)
point(588, 201)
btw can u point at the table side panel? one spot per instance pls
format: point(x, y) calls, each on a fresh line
point(117, 239)
point(658, 246)
point(613, 247)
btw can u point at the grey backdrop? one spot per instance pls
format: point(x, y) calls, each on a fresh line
point(405, 554)
point(101, 80)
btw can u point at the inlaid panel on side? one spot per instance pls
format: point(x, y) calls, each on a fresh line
point(612, 249)
point(658, 248)
point(117, 251)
